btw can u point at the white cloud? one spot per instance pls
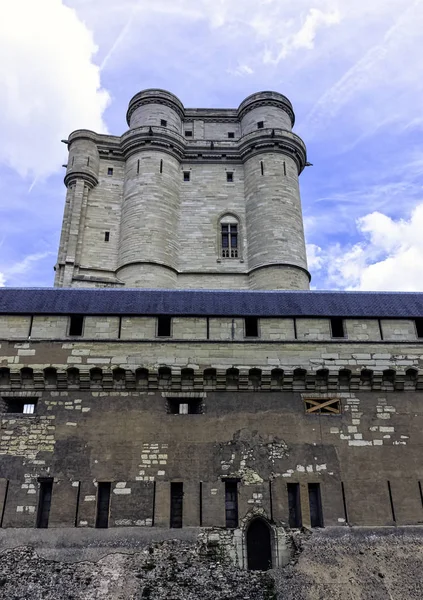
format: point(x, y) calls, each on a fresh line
point(48, 81)
point(17, 273)
point(390, 257)
point(240, 71)
point(304, 38)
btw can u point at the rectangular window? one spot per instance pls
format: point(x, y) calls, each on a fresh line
point(76, 324)
point(251, 326)
point(419, 327)
point(110, 171)
point(260, 125)
point(337, 327)
point(231, 504)
point(229, 241)
point(187, 175)
point(44, 502)
point(316, 515)
point(103, 504)
point(188, 134)
point(164, 325)
point(163, 122)
point(25, 406)
point(323, 406)
point(176, 504)
point(106, 236)
point(294, 505)
point(184, 406)
point(231, 135)
point(229, 177)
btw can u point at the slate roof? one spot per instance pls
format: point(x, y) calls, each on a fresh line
point(62, 301)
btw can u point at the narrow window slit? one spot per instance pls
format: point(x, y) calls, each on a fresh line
point(138, 167)
point(103, 504)
point(161, 166)
point(284, 168)
point(176, 504)
point(294, 505)
point(262, 167)
point(106, 236)
point(44, 503)
point(315, 500)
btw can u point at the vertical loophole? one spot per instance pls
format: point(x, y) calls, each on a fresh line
point(284, 168)
point(161, 166)
point(78, 497)
point(201, 503)
point(391, 500)
point(262, 167)
point(344, 501)
point(138, 166)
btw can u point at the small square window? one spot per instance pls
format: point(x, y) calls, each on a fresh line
point(260, 125)
point(337, 327)
point(110, 171)
point(184, 406)
point(188, 133)
point(106, 236)
point(163, 123)
point(231, 135)
point(251, 327)
point(187, 175)
point(25, 406)
point(229, 177)
point(164, 326)
point(76, 324)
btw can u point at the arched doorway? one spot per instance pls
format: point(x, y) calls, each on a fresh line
point(259, 547)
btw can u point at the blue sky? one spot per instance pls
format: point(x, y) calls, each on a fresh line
point(353, 71)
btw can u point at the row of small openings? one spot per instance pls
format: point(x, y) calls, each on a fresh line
point(190, 133)
point(181, 406)
point(294, 505)
point(229, 176)
point(251, 324)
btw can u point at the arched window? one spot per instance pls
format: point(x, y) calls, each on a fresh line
point(229, 237)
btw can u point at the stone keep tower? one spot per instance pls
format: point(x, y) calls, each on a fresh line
point(187, 198)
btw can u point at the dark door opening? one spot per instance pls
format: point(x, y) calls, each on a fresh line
point(231, 504)
point(103, 504)
point(316, 514)
point(176, 503)
point(259, 548)
point(294, 505)
point(44, 503)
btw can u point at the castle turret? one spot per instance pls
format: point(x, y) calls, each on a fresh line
point(82, 173)
point(273, 159)
point(148, 249)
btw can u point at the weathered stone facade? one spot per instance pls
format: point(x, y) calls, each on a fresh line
point(207, 429)
point(146, 209)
